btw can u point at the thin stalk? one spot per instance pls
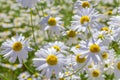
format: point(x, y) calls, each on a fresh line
point(3, 77)
point(31, 20)
point(75, 71)
point(28, 68)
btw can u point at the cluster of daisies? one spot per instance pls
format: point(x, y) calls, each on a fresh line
point(83, 53)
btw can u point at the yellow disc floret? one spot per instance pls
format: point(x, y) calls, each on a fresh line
point(17, 46)
point(85, 4)
point(29, 79)
point(110, 12)
point(94, 48)
point(77, 46)
point(100, 36)
point(36, 75)
point(95, 73)
point(80, 60)
point(52, 21)
point(56, 47)
point(71, 33)
point(61, 79)
point(23, 75)
point(84, 19)
point(118, 65)
point(104, 29)
point(52, 60)
point(104, 55)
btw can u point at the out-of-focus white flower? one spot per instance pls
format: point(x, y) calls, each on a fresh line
point(23, 76)
point(28, 3)
point(117, 68)
point(60, 47)
point(13, 67)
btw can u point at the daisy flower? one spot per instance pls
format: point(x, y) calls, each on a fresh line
point(82, 4)
point(60, 47)
point(15, 48)
point(36, 76)
point(49, 61)
point(106, 37)
point(93, 51)
point(77, 61)
point(52, 24)
point(117, 69)
point(114, 21)
point(108, 66)
point(85, 18)
point(28, 3)
point(95, 73)
point(23, 76)
point(115, 25)
point(72, 36)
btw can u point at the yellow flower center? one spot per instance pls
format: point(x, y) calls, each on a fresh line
point(110, 12)
point(106, 65)
point(52, 60)
point(29, 79)
point(36, 75)
point(94, 48)
point(71, 33)
point(95, 73)
point(23, 76)
point(15, 65)
point(90, 66)
point(118, 65)
point(56, 47)
point(84, 19)
point(80, 60)
point(85, 4)
point(61, 79)
point(77, 46)
point(100, 36)
point(104, 29)
point(105, 55)
point(52, 21)
point(17, 46)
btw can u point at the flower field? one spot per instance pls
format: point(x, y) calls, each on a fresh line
point(60, 40)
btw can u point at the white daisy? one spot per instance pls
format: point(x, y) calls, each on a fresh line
point(28, 3)
point(36, 76)
point(105, 36)
point(72, 36)
point(117, 69)
point(115, 25)
point(93, 51)
point(114, 21)
point(78, 62)
point(85, 18)
point(108, 66)
point(23, 76)
point(52, 24)
point(49, 61)
point(15, 48)
point(82, 4)
point(95, 73)
point(60, 47)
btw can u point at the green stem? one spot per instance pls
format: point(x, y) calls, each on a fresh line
point(75, 71)
point(3, 77)
point(28, 68)
point(31, 20)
